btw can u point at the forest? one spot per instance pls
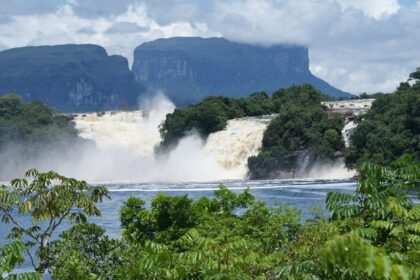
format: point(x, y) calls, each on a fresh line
point(373, 234)
point(31, 123)
point(390, 128)
point(303, 127)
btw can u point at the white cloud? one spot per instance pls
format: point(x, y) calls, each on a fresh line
point(351, 50)
point(373, 8)
point(356, 45)
point(64, 26)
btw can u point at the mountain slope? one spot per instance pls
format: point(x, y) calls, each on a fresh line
point(69, 77)
point(190, 68)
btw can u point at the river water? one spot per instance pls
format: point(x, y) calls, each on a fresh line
point(300, 194)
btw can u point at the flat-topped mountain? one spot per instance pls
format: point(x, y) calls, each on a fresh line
point(69, 77)
point(190, 68)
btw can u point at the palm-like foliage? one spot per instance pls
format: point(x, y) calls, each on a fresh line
point(381, 221)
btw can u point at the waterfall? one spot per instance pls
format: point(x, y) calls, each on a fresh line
point(126, 140)
point(129, 130)
point(241, 139)
point(124, 145)
point(346, 132)
point(135, 131)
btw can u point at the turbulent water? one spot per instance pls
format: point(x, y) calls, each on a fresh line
point(241, 139)
point(126, 140)
point(347, 130)
point(223, 156)
point(123, 145)
point(137, 132)
point(129, 139)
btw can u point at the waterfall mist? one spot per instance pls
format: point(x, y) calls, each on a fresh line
point(120, 148)
point(330, 170)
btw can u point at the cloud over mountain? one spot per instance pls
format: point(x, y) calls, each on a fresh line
point(355, 45)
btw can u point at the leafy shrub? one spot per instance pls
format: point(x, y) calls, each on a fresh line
point(390, 128)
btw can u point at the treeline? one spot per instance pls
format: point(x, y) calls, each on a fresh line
point(373, 234)
point(390, 128)
point(211, 115)
point(303, 130)
point(31, 123)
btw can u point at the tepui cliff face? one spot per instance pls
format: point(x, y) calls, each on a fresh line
point(85, 78)
point(188, 69)
point(69, 77)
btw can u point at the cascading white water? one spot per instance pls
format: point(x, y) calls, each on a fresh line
point(125, 143)
point(241, 139)
point(347, 130)
point(129, 139)
point(336, 169)
point(135, 131)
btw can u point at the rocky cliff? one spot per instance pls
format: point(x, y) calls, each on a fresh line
point(188, 69)
point(69, 77)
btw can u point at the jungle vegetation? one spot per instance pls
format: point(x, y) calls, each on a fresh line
point(302, 125)
point(31, 123)
point(212, 114)
point(302, 128)
point(372, 234)
point(390, 128)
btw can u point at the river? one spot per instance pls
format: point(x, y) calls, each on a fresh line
point(300, 194)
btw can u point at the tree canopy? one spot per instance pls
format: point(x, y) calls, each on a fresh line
point(49, 199)
point(302, 128)
point(390, 128)
point(211, 115)
point(31, 123)
point(371, 234)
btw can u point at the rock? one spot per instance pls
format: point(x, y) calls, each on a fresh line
point(69, 77)
point(188, 69)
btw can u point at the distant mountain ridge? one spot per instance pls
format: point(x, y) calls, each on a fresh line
point(69, 77)
point(77, 78)
point(190, 68)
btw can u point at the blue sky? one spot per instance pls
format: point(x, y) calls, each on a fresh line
point(407, 2)
point(356, 45)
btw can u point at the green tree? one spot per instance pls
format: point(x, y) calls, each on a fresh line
point(84, 252)
point(10, 257)
point(49, 199)
point(168, 218)
point(389, 129)
point(303, 127)
point(380, 223)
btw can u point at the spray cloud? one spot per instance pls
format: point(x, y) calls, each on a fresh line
point(121, 149)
